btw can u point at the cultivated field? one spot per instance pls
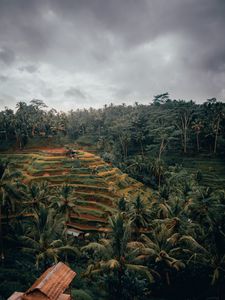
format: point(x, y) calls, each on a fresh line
point(96, 184)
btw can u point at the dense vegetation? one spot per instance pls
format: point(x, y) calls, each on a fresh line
point(139, 139)
point(165, 244)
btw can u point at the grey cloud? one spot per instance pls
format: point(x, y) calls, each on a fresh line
point(7, 101)
point(114, 49)
point(47, 92)
point(7, 56)
point(3, 78)
point(75, 93)
point(29, 68)
point(215, 61)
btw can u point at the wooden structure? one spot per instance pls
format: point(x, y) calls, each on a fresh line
point(75, 233)
point(51, 285)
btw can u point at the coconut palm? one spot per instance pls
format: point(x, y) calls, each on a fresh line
point(157, 168)
point(122, 204)
point(206, 208)
point(213, 257)
point(65, 202)
point(8, 194)
point(197, 127)
point(44, 238)
point(160, 208)
point(36, 193)
point(166, 250)
point(139, 213)
point(180, 182)
point(116, 254)
point(136, 165)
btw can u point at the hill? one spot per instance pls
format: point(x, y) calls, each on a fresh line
point(97, 185)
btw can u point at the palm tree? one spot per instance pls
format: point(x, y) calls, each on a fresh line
point(160, 206)
point(136, 165)
point(8, 194)
point(122, 205)
point(157, 167)
point(115, 254)
point(206, 208)
point(213, 257)
point(65, 202)
point(217, 260)
point(44, 237)
point(139, 213)
point(218, 117)
point(36, 193)
point(163, 248)
point(197, 127)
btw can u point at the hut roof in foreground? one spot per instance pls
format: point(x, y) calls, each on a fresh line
point(50, 285)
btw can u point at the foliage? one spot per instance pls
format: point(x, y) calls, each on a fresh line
point(157, 246)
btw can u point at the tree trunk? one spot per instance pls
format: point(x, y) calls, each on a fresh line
point(185, 140)
point(142, 149)
point(159, 180)
point(216, 136)
point(99, 130)
point(33, 129)
point(197, 141)
point(126, 150)
point(66, 256)
point(83, 130)
point(184, 125)
point(123, 147)
point(161, 148)
point(119, 284)
point(167, 278)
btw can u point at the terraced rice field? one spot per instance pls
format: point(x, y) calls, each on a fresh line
point(212, 169)
point(97, 185)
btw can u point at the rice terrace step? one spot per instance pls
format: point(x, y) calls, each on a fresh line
point(97, 184)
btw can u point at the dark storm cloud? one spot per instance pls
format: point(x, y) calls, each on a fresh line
point(114, 49)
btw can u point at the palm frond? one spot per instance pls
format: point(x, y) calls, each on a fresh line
point(192, 243)
point(141, 270)
point(94, 246)
point(112, 264)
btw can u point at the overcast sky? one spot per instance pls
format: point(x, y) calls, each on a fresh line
point(81, 53)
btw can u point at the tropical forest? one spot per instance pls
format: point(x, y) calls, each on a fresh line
point(130, 197)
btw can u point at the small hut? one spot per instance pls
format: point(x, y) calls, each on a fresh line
point(75, 233)
point(51, 285)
